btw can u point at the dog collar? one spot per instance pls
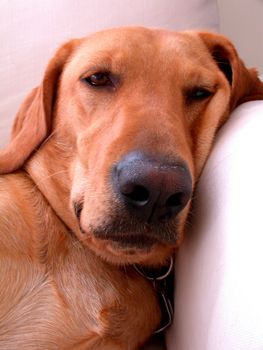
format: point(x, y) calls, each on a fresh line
point(159, 280)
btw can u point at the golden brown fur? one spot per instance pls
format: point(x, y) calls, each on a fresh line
point(62, 288)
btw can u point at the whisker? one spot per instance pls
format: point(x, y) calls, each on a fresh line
point(46, 140)
point(50, 136)
point(51, 175)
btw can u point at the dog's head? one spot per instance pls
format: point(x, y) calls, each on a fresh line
point(123, 123)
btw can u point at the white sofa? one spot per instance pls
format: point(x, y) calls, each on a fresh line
point(218, 298)
point(219, 289)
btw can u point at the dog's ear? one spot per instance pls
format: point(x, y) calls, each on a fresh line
point(245, 84)
point(34, 119)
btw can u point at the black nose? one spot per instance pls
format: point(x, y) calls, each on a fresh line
point(152, 189)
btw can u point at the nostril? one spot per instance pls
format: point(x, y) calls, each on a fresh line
point(137, 194)
point(176, 200)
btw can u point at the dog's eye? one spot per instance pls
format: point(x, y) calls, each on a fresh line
point(198, 94)
point(99, 79)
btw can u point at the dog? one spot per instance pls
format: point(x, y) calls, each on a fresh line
point(99, 176)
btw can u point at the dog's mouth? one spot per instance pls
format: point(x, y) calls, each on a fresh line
point(141, 246)
point(123, 239)
point(128, 234)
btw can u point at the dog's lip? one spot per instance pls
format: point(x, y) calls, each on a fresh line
point(124, 241)
point(77, 206)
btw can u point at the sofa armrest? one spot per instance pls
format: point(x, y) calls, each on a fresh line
point(218, 301)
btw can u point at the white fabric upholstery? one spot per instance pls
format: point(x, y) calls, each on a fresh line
point(31, 30)
point(219, 274)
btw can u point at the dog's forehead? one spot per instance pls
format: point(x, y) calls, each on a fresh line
point(137, 46)
point(131, 38)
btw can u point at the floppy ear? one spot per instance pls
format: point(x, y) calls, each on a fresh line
point(245, 84)
point(33, 121)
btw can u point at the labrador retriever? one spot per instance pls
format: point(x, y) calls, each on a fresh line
point(98, 177)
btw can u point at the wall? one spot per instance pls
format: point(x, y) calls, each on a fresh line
point(242, 22)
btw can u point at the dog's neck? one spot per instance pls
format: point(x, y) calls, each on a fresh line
point(48, 171)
